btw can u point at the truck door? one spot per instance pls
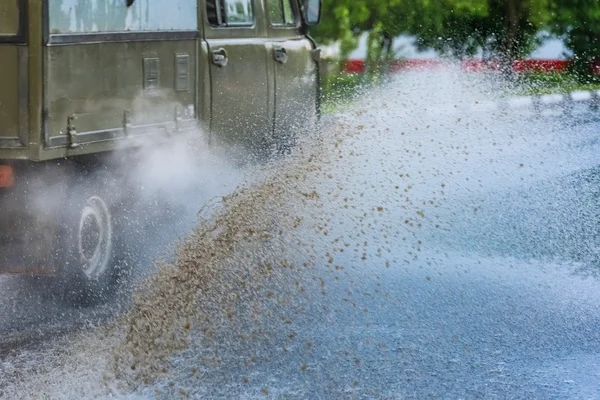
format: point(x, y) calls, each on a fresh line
point(13, 74)
point(295, 71)
point(240, 90)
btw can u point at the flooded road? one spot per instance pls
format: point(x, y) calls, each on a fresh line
point(420, 245)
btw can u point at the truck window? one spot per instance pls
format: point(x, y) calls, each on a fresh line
point(281, 13)
point(230, 12)
point(108, 16)
point(9, 17)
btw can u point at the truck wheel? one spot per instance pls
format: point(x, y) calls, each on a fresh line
point(90, 248)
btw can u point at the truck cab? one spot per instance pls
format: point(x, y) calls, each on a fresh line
point(81, 80)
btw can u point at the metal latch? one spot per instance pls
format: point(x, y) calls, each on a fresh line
point(219, 57)
point(316, 55)
point(280, 54)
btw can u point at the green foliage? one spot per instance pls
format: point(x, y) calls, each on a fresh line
point(578, 21)
point(339, 89)
point(504, 29)
point(339, 17)
point(452, 27)
point(344, 20)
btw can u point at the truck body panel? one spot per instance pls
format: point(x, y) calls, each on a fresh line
point(82, 79)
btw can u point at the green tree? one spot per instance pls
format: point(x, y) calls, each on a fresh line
point(339, 22)
point(450, 26)
point(578, 21)
point(502, 29)
point(345, 20)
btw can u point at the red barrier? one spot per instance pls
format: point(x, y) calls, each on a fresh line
point(479, 66)
point(354, 66)
point(399, 65)
point(540, 65)
point(357, 66)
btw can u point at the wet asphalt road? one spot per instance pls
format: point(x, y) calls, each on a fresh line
point(484, 328)
point(470, 271)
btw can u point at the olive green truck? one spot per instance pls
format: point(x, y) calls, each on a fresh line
point(84, 79)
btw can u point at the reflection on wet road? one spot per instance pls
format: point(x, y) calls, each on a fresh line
point(404, 252)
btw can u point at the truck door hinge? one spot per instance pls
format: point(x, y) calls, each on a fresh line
point(126, 122)
point(316, 55)
point(178, 119)
point(72, 132)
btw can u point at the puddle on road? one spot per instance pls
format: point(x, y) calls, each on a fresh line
point(389, 183)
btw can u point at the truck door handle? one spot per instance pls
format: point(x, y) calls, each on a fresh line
point(280, 54)
point(219, 57)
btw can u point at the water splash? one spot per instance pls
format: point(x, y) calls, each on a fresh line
point(409, 173)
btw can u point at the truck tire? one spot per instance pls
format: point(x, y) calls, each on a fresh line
point(91, 253)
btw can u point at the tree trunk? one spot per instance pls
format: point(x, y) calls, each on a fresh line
point(509, 44)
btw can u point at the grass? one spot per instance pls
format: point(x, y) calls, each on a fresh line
point(536, 84)
point(339, 89)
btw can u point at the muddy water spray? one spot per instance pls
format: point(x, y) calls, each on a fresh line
point(401, 175)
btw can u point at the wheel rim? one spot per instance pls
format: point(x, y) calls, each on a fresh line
point(95, 238)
